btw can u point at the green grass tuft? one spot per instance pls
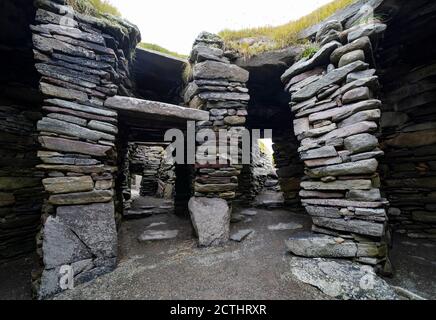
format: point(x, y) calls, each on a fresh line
point(281, 36)
point(94, 7)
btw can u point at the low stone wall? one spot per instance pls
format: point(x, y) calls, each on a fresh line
point(82, 61)
point(336, 123)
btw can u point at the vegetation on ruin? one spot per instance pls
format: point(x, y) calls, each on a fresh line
point(94, 7)
point(309, 50)
point(155, 47)
point(270, 38)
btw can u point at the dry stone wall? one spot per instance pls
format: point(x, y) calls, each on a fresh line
point(21, 191)
point(409, 143)
point(82, 60)
point(408, 73)
point(219, 87)
point(337, 113)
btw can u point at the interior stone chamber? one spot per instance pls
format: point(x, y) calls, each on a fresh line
point(82, 111)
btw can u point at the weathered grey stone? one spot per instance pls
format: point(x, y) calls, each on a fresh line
point(319, 59)
point(68, 118)
point(332, 25)
point(94, 224)
point(241, 235)
point(211, 220)
point(364, 195)
point(342, 279)
point(48, 45)
point(306, 111)
point(224, 96)
point(371, 82)
point(355, 226)
point(80, 107)
point(357, 94)
point(344, 169)
point(367, 155)
point(60, 92)
point(218, 70)
point(313, 133)
point(366, 115)
point(103, 126)
point(68, 184)
point(360, 44)
point(324, 212)
point(333, 77)
point(154, 235)
point(301, 125)
point(306, 244)
point(346, 111)
point(337, 185)
point(214, 188)
point(360, 75)
point(350, 57)
point(320, 194)
point(153, 108)
point(370, 212)
point(60, 245)
point(202, 53)
point(367, 30)
point(97, 196)
point(234, 120)
point(322, 162)
point(70, 129)
point(361, 143)
point(324, 152)
point(66, 145)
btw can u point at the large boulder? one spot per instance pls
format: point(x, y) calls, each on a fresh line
point(211, 220)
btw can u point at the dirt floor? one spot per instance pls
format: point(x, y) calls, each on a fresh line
point(257, 268)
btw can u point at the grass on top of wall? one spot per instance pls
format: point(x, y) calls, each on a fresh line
point(270, 38)
point(94, 7)
point(155, 47)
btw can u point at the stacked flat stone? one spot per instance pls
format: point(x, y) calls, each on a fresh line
point(409, 142)
point(289, 167)
point(21, 192)
point(145, 161)
point(219, 87)
point(166, 178)
point(82, 61)
point(336, 122)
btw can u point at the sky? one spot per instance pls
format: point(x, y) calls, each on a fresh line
point(174, 24)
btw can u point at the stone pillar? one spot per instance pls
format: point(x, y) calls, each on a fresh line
point(82, 60)
point(219, 87)
point(336, 123)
